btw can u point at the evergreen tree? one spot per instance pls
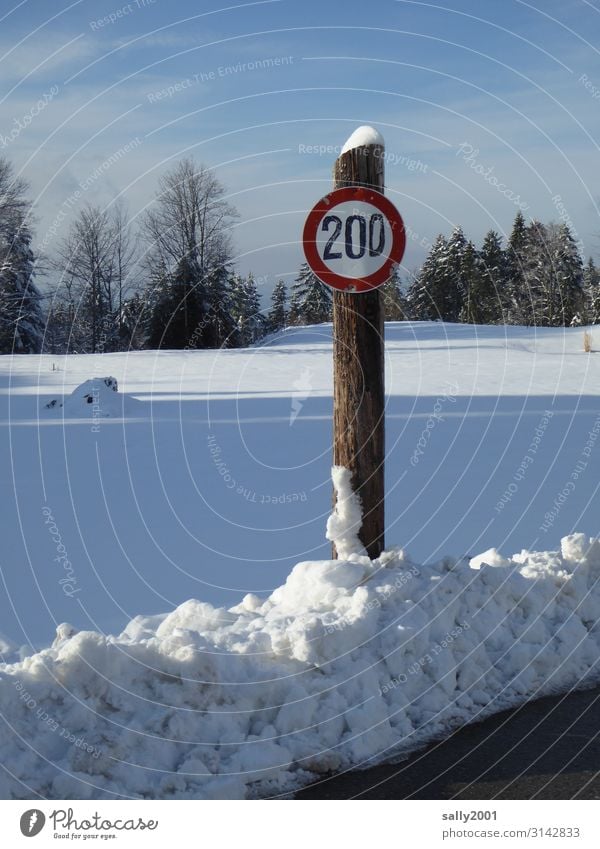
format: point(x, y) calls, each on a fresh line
point(58, 325)
point(552, 276)
point(494, 282)
point(394, 304)
point(221, 330)
point(591, 285)
point(14, 206)
point(21, 317)
point(22, 323)
point(238, 297)
point(277, 317)
point(179, 312)
point(568, 271)
point(254, 324)
point(427, 296)
point(518, 304)
point(455, 285)
point(311, 300)
point(134, 322)
point(538, 299)
point(473, 310)
point(246, 309)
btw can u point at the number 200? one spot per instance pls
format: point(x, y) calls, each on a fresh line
point(376, 229)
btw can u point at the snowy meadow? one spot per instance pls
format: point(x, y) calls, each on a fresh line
point(172, 625)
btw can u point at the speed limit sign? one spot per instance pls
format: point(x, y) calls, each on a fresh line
point(352, 239)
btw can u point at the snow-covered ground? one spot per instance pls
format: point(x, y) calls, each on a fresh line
point(211, 483)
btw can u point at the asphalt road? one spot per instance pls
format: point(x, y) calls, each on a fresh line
point(547, 749)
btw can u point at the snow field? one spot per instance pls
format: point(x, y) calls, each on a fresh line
point(290, 665)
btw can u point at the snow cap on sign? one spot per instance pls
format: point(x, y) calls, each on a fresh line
point(363, 136)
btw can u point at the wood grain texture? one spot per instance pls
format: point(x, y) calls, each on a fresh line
point(358, 358)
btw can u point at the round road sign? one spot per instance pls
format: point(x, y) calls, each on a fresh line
point(353, 237)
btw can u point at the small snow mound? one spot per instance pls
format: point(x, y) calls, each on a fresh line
point(362, 137)
point(98, 398)
point(345, 522)
point(316, 585)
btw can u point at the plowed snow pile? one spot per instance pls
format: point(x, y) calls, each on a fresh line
point(348, 662)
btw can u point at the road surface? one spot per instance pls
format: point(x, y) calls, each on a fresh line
point(547, 749)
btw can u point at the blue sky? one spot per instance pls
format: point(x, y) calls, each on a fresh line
point(483, 106)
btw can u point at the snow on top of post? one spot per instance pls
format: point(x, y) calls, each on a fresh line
point(363, 136)
point(344, 523)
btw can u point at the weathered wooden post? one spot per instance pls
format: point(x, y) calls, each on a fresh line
point(358, 365)
point(353, 238)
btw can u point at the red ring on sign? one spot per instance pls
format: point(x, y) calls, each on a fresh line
point(327, 204)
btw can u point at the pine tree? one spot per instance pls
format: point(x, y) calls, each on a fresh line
point(471, 287)
point(22, 323)
point(21, 317)
point(494, 269)
point(134, 322)
point(394, 303)
point(221, 329)
point(568, 271)
point(179, 312)
point(538, 299)
point(238, 298)
point(552, 276)
point(255, 321)
point(427, 294)
point(311, 300)
point(246, 309)
point(59, 327)
point(518, 304)
point(591, 285)
point(455, 285)
point(277, 317)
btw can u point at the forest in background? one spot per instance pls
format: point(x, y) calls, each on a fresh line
point(171, 281)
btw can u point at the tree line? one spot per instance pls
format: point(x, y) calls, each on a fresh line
point(170, 282)
point(538, 279)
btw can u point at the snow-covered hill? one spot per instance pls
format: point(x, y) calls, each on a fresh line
point(211, 483)
point(218, 482)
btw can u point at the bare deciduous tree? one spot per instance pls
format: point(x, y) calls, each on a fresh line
point(96, 262)
point(189, 249)
point(190, 219)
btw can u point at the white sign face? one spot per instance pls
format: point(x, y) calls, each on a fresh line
point(353, 237)
point(354, 240)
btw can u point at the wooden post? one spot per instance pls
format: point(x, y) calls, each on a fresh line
point(358, 379)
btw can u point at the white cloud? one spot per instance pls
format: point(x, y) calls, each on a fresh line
point(43, 54)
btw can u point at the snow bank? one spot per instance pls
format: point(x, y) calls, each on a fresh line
point(348, 663)
point(363, 136)
point(98, 397)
